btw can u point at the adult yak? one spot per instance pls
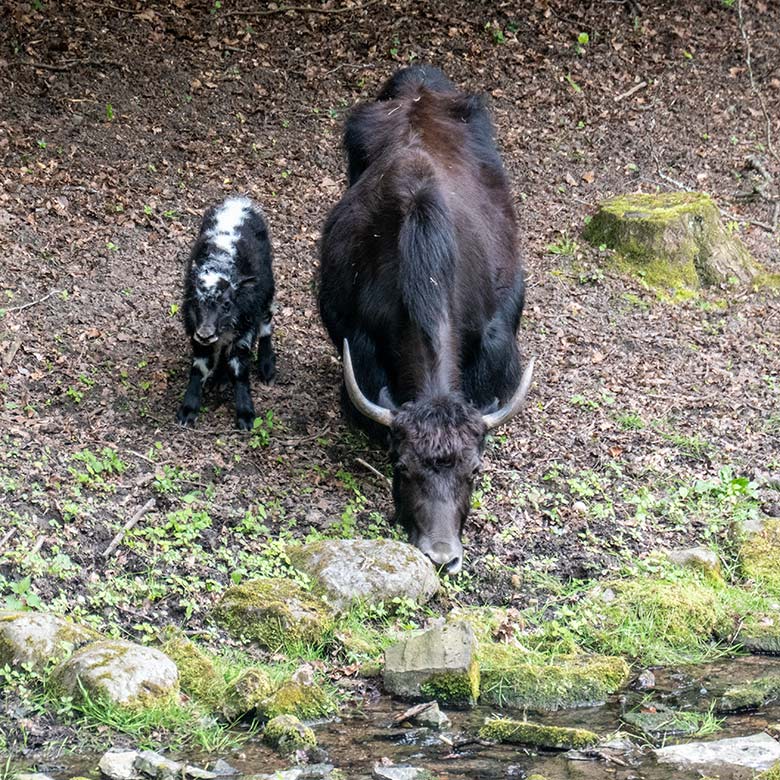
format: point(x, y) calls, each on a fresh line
point(421, 286)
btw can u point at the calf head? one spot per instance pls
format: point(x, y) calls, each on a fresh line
point(216, 310)
point(436, 447)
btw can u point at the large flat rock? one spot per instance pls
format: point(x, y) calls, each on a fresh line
point(369, 570)
point(758, 751)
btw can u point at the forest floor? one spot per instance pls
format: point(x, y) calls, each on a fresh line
point(121, 123)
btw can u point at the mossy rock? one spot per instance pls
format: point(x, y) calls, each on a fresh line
point(123, 673)
point(275, 613)
point(303, 701)
point(287, 734)
point(672, 239)
point(485, 621)
point(760, 634)
point(750, 696)
point(246, 694)
point(516, 732)
point(664, 722)
point(671, 619)
point(515, 677)
point(760, 557)
point(439, 663)
point(198, 674)
point(38, 639)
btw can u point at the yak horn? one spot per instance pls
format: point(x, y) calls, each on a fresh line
point(515, 403)
point(367, 408)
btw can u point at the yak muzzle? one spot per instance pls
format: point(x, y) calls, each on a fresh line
point(446, 555)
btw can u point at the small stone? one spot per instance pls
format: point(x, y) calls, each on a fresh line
point(699, 558)
point(245, 694)
point(346, 571)
point(223, 769)
point(125, 673)
point(287, 734)
point(518, 732)
point(31, 776)
point(440, 662)
point(427, 715)
point(119, 764)
point(38, 638)
point(644, 681)
point(758, 751)
point(382, 772)
point(154, 765)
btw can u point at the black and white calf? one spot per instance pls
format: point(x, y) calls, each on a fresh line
point(228, 294)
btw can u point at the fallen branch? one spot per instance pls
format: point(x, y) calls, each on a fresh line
point(377, 472)
point(10, 354)
point(147, 507)
point(33, 303)
point(7, 538)
point(303, 9)
point(632, 91)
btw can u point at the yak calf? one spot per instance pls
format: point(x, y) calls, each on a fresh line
point(228, 294)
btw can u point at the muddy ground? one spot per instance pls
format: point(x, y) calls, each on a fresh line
point(120, 123)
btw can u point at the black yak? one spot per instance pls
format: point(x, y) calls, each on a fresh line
point(228, 293)
point(421, 288)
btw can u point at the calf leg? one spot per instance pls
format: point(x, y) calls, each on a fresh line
point(203, 359)
point(266, 359)
point(239, 373)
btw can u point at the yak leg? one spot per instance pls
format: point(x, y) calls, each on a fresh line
point(203, 360)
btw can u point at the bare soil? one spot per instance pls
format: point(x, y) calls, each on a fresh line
point(120, 123)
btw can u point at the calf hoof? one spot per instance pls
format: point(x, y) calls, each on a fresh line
point(245, 421)
point(266, 367)
point(187, 417)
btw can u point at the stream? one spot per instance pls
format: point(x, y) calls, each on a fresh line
point(363, 735)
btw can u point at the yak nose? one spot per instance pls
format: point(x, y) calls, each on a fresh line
point(206, 336)
point(447, 556)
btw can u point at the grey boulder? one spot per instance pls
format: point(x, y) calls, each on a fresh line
point(119, 765)
point(369, 570)
point(122, 672)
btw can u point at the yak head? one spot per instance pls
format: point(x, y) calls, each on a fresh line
point(216, 304)
point(436, 447)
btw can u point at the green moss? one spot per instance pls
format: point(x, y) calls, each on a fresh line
point(750, 696)
point(198, 673)
point(656, 619)
point(661, 722)
point(770, 774)
point(246, 694)
point(485, 621)
point(515, 677)
point(760, 557)
point(287, 734)
point(304, 701)
point(274, 613)
point(518, 732)
point(673, 240)
point(760, 634)
point(454, 689)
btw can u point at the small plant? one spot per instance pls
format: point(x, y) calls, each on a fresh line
point(581, 402)
point(173, 310)
point(96, 467)
point(573, 84)
point(41, 144)
point(23, 596)
point(261, 430)
point(631, 422)
point(110, 112)
point(496, 32)
point(565, 246)
point(583, 39)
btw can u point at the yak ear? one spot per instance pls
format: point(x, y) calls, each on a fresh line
point(386, 399)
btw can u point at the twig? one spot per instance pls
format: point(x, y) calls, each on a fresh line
point(147, 507)
point(9, 356)
point(374, 471)
point(7, 538)
point(33, 303)
point(753, 86)
point(634, 89)
point(304, 9)
point(68, 64)
point(38, 544)
point(301, 440)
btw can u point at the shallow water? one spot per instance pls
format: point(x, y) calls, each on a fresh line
point(363, 735)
